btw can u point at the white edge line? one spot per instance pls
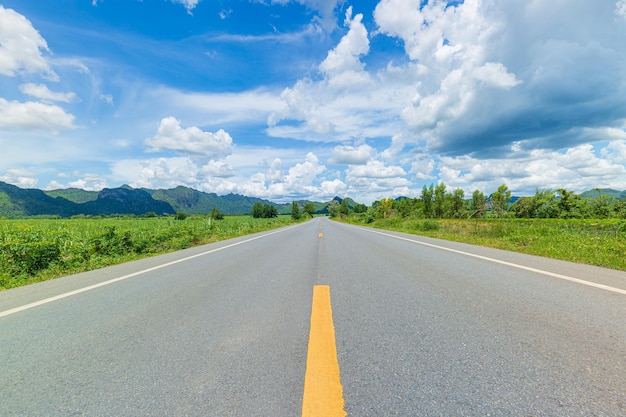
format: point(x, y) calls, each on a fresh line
point(518, 266)
point(134, 274)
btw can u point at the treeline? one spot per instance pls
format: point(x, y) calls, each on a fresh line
point(436, 201)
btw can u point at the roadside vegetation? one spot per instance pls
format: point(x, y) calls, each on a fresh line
point(33, 250)
point(557, 224)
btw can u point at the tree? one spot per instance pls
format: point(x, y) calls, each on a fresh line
point(427, 200)
point(344, 209)
point(257, 210)
point(386, 205)
point(569, 204)
point(333, 208)
point(309, 208)
point(295, 211)
point(269, 211)
point(457, 203)
point(264, 211)
point(478, 204)
point(216, 215)
point(360, 208)
point(440, 199)
point(500, 200)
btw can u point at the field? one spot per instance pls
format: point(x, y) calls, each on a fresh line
point(594, 242)
point(33, 250)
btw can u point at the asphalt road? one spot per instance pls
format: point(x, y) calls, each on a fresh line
point(222, 330)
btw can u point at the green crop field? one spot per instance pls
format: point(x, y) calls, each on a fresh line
point(33, 250)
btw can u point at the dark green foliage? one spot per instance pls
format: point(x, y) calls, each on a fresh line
point(29, 256)
point(295, 211)
point(344, 209)
point(264, 211)
point(216, 215)
point(309, 209)
point(112, 243)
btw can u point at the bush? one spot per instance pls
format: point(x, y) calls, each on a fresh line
point(29, 257)
point(112, 243)
point(428, 225)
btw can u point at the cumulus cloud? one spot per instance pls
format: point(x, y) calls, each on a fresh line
point(300, 181)
point(171, 136)
point(375, 169)
point(91, 182)
point(352, 155)
point(220, 169)
point(23, 178)
point(34, 116)
point(575, 168)
point(21, 46)
point(347, 103)
point(343, 66)
point(488, 79)
point(157, 172)
point(42, 92)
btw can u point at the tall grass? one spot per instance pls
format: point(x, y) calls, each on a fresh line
point(593, 242)
point(33, 250)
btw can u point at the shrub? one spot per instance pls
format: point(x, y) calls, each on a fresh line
point(29, 257)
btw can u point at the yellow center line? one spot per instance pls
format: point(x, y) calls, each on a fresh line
point(323, 395)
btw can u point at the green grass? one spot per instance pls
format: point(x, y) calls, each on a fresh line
point(33, 250)
point(594, 242)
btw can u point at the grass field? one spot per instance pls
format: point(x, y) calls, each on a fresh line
point(33, 250)
point(594, 242)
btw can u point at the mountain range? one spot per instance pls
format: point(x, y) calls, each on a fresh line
point(19, 202)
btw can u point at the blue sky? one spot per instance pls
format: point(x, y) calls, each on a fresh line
point(291, 99)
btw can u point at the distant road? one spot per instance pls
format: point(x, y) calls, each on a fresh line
point(423, 328)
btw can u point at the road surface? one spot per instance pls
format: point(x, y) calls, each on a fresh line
point(423, 328)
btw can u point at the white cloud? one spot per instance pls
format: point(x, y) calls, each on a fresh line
point(171, 136)
point(42, 92)
point(87, 181)
point(496, 75)
point(615, 152)
point(90, 182)
point(578, 168)
point(352, 155)
point(620, 8)
point(374, 169)
point(158, 172)
point(23, 178)
point(189, 4)
point(343, 66)
point(34, 116)
point(21, 46)
point(330, 189)
point(220, 169)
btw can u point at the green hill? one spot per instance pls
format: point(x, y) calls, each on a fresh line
point(596, 192)
point(74, 194)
